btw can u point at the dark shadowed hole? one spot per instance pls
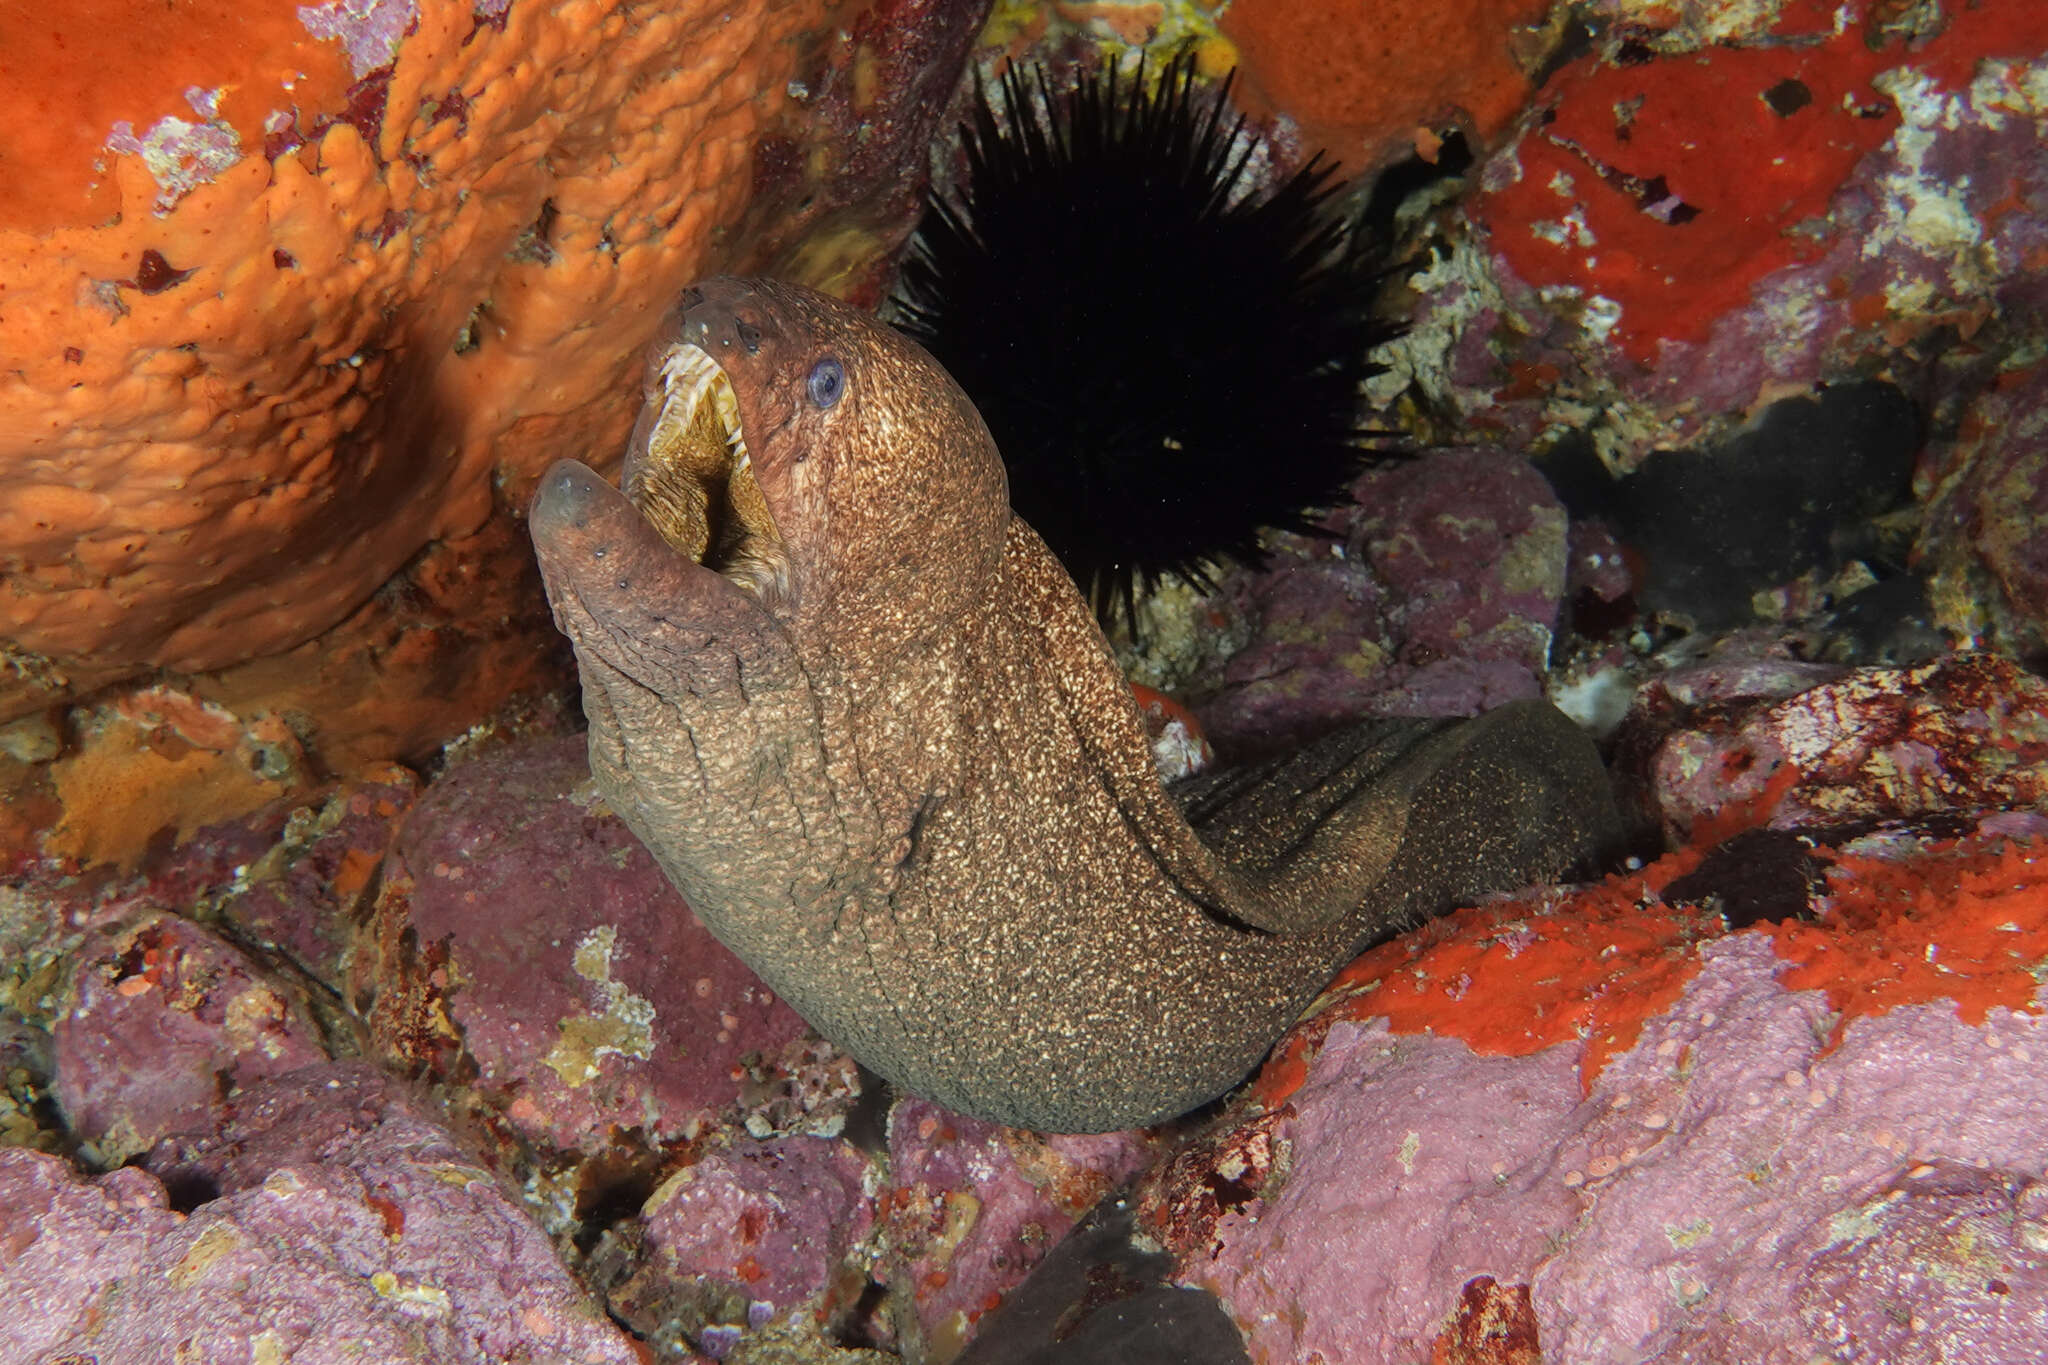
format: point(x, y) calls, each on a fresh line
point(189, 1189)
point(867, 1122)
point(856, 1328)
point(1403, 180)
point(614, 1204)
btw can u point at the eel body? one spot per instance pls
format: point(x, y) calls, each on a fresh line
point(870, 730)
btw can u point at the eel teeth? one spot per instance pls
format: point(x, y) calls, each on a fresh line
point(696, 482)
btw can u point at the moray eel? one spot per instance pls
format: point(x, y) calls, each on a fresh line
point(870, 730)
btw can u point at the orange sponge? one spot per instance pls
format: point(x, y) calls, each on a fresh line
point(291, 293)
point(1366, 82)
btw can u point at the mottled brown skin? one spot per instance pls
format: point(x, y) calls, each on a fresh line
point(912, 790)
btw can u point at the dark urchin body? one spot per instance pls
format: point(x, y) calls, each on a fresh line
point(1167, 363)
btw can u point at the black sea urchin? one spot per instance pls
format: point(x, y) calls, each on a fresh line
point(1169, 359)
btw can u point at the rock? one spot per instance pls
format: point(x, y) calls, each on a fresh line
point(331, 1219)
point(1101, 1297)
point(27, 1110)
point(1440, 600)
point(1767, 1220)
point(1769, 1146)
point(1861, 193)
point(1987, 521)
point(302, 896)
point(1410, 1139)
point(752, 1248)
point(972, 1206)
point(1961, 733)
point(1792, 493)
point(526, 949)
point(166, 1019)
point(743, 1239)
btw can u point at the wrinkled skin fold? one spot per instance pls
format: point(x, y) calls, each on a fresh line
point(870, 730)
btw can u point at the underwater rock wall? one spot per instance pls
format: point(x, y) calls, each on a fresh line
point(334, 1219)
point(1694, 219)
point(276, 372)
point(1575, 1114)
point(1743, 1184)
point(293, 344)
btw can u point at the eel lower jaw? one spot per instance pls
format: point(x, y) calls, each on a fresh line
point(692, 477)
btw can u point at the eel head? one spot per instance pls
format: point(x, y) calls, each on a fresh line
point(805, 459)
point(804, 487)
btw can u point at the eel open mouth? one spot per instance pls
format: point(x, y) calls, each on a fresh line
point(695, 483)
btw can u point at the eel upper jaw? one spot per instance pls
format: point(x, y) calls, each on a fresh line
point(691, 475)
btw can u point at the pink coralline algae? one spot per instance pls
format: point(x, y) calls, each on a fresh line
point(331, 1220)
point(1731, 1189)
point(164, 1016)
point(1441, 598)
point(591, 1068)
point(1645, 1120)
point(745, 1237)
point(301, 898)
point(1616, 1125)
point(800, 1235)
point(526, 943)
point(972, 1206)
point(773, 1219)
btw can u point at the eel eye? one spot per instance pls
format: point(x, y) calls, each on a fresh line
point(827, 382)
